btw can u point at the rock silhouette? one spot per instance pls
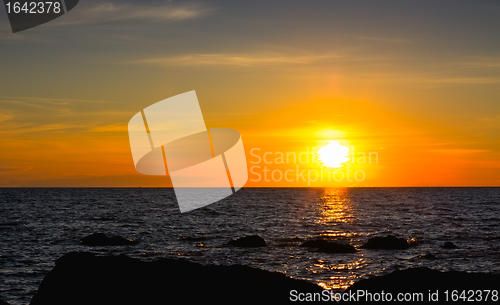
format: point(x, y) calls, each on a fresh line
point(2, 302)
point(249, 241)
point(317, 243)
point(86, 278)
point(425, 281)
point(387, 242)
point(449, 245)
point(427, 256)
point(100, 239)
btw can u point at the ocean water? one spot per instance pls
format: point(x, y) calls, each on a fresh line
point(39, 225)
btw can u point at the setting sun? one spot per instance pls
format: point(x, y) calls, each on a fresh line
point(333, 154)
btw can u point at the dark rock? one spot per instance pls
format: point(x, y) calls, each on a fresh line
point(8, 224)
point(387, 242)
point(249, 241)
point(423, 280)
point(449, 245)
point(314, 243)
point(2, 302)
point(328, 246)
point(333, 247)
point(100, 239)
point(86, 278)
point(191, 238)
point(427, 256)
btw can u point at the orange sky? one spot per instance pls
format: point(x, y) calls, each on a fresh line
point(423, 97)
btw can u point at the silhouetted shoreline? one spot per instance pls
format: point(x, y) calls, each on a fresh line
point(87, 278)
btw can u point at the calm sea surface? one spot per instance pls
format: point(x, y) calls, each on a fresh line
point(37, 226)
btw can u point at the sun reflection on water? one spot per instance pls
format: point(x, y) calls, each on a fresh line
point(341, 275)
point(336, 214)
point(334, 206)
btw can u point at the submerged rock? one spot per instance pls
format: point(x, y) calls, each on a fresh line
point(333, 247)
point(427, 256)
point(2, 302)
point(86, 278)
point(314, 243)
point(248, 241)
point(449, 245)
point(387, 242)
point(425, 281)
point(328, 246)
point(100, 239)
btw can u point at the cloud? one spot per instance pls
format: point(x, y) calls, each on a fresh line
point(242, 59)
point(460, 80)
point(6, 36)
point(429, 79)
point(5, 117)
point(111, 128)
point(447, 73)
point(31, 115)
point(106, 12)
point(385, 40)
point(479, 62)
point(15, 168)
point(35, 128)
point(458, 151)
point(124, 180)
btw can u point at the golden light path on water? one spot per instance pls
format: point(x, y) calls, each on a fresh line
point(336, 209)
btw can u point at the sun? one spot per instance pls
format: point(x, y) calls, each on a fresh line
point(333, 154)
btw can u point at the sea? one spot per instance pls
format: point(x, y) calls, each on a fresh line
point(39, 225)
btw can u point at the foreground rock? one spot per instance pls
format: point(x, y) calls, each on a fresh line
point(449, 245)
point(100, 239)
point(423, 280)
point(387, 242)
point(328, 246)
point(85, 278)
point(249, 241)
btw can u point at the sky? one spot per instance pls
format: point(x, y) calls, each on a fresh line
point(415, 85)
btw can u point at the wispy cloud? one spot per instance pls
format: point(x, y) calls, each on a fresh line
point(33, 128)
point(6, 35)
point(429, 79)
point(446, 73)
point(15, 168)
point(106, 12)
point(30, 115)
point(460, 80)
point(458, 151)
point(233, 59)
point(253, 59)
point(5, 117)
point(111, 128)
point(385, 39)
point(479, 62)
